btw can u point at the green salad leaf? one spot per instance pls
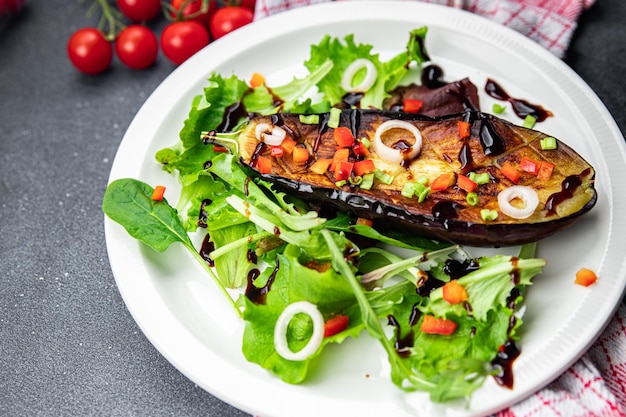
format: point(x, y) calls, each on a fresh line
point(343, 53)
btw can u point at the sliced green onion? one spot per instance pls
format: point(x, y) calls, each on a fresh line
point(498, 108)
point(472, 199)
point(529, 121)
point(334, 117)
point(408, 190)
point(310, 119)
point(482, 178)
point(488, 215)
point(422, 179)
point(367, 182)
point(548, 143)
point(383, 177)
point(341, 183)
point(411, 189)
point(366, 142)
point(356, 180)
point(421, 196)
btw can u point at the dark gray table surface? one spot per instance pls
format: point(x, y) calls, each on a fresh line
point(68, 346)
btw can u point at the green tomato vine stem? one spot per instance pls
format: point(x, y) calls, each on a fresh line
point(111, 19)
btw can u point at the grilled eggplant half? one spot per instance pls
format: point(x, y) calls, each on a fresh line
point(518, 191)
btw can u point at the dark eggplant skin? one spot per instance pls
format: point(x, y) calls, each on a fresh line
point(444, 215)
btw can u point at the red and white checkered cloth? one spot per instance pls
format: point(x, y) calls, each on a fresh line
point(550, 23)
point(595, 386)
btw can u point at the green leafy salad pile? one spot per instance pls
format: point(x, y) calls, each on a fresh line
point(279, 252)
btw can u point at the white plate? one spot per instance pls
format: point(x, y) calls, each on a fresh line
point(180, 311)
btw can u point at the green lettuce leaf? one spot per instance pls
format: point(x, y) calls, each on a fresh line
point(294, 282)
point(343, 53)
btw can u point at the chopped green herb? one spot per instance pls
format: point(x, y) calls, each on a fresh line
point(480, 179)
point(422, 179)
point(408, 190)
point(310, 119)
point(422, 194)
point(333, 118)
point(487, 214)
point(548, 143)
point(383, 177)
point(472, 199)
point(367, 182)
point(356, 180)
point(529, 121)
point(498, 108)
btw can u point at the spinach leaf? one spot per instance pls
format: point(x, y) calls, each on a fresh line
point(129, 202)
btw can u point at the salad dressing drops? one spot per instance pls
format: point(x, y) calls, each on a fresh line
point(322, 128)
point(490, 140)
point(428, 283)
point(510, 350)
point(522, 108)
point(203, 216)
point(258, 295)
point(568, 187)
point(205, 250)
point(443, 211)
point(402, 344)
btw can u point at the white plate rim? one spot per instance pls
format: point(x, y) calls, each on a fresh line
point(145, 303)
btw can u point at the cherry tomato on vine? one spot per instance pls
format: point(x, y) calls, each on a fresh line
point(180, 40)
point(137, 47)
point(140, 10)
point(193, 10)
point(89, 51)
point(229, 18)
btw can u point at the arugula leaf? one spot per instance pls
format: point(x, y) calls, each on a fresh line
point(344, 223)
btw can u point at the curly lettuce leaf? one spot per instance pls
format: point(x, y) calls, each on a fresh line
point(207, 110)
point(294, 282)
point(288, 97)
point(343, 53)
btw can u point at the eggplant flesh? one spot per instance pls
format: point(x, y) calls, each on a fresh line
point(444, 215)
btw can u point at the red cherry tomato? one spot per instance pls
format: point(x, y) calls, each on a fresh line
point(180, 40)
point(89, 51)
point(193, 10)
point(229, 18)
point(140, 10)
point(137, 47)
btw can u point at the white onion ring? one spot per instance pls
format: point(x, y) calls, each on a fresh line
point(526, 194)
point(350, 72)
point(270, 134)
point(280, 331)
point(396, 155)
